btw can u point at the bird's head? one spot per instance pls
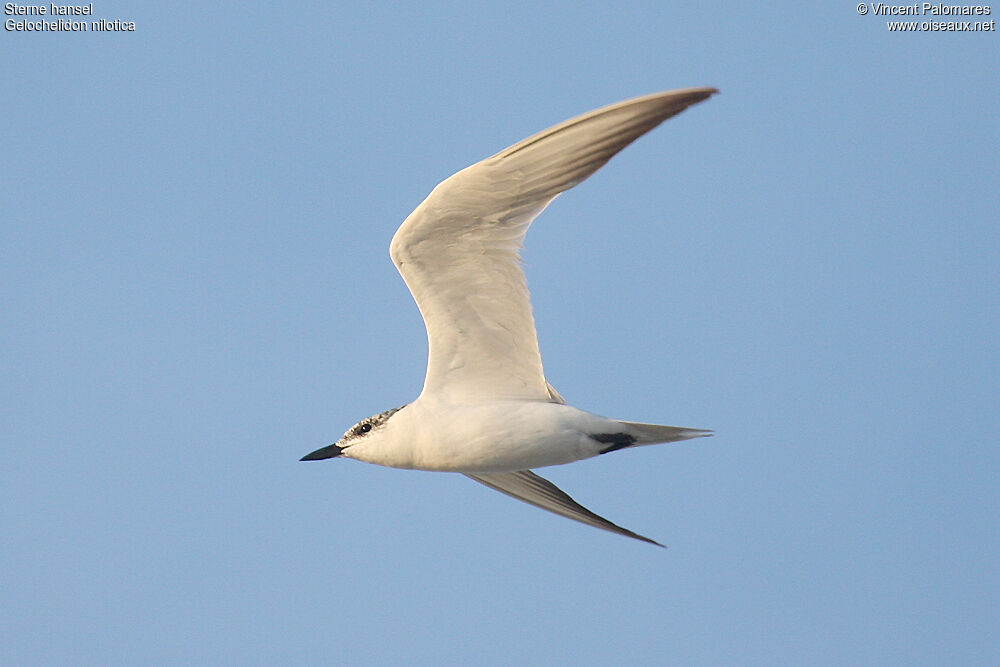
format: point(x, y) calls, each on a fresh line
point(364, 431)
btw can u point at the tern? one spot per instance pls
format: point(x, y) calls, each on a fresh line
point(486, 409)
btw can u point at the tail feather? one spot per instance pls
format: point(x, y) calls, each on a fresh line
point(648, 434)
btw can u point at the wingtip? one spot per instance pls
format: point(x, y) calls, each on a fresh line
point(699, 95)
point(709, 90)
point(702, 92)
point(642, 538)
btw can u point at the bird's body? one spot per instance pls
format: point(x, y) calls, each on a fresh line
point(433, 433)
point(486, 409)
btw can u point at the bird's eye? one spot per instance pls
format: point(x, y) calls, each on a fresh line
point(364, 428)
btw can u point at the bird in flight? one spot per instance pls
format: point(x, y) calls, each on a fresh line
point(486, 409)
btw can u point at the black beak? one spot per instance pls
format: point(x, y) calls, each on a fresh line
point(327, 452)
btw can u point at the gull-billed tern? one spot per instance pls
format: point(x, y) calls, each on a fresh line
point(486, 409)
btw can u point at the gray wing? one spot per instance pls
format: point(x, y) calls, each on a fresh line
point(540, 492)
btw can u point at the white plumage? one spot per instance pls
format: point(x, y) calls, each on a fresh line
point(486, 408)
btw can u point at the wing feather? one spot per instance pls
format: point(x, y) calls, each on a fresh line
point(540, 492)
point(458, 252)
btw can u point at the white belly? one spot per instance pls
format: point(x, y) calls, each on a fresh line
point(485, 437)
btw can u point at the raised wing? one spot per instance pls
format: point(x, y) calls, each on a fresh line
point(459, 250)
point(540, 492)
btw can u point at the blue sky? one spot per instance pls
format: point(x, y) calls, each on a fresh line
point(196, 291)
